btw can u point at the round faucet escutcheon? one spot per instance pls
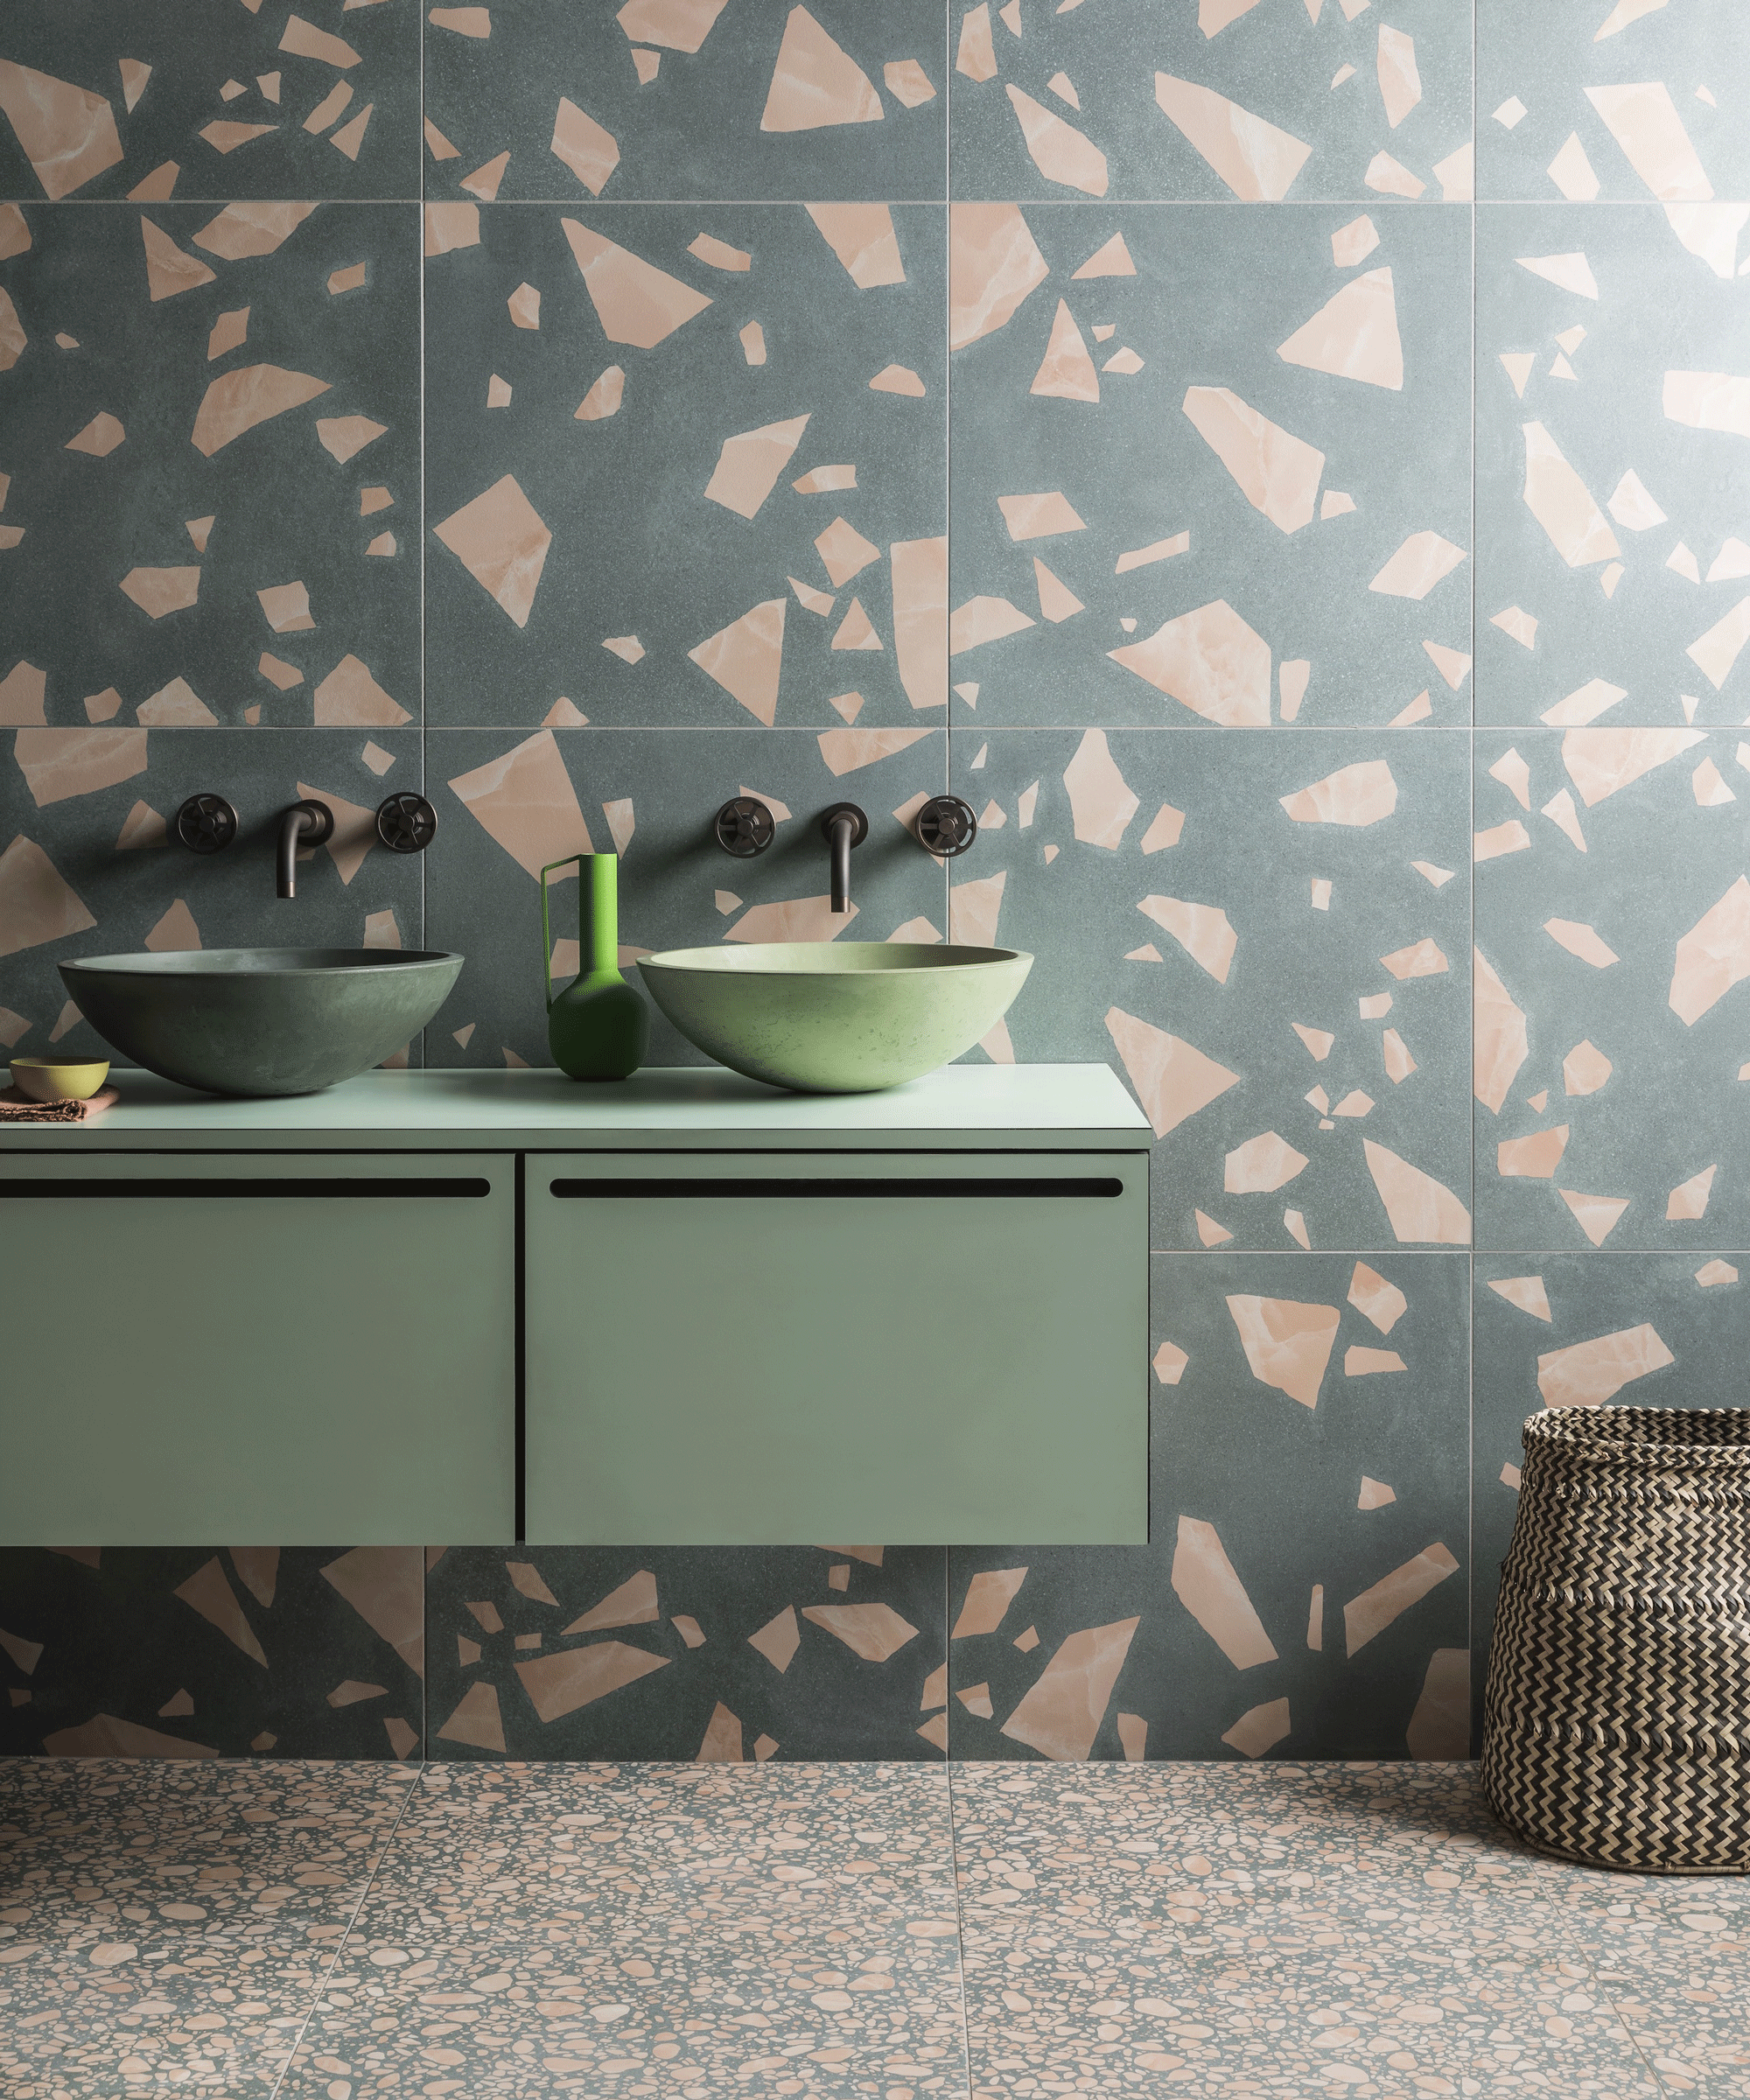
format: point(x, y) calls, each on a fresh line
point(406, 823)
point(743, 826)
point(946, 826)
point(206, 824)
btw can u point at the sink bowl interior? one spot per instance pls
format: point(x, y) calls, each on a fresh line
point(260, 1021)
point(835, 1017)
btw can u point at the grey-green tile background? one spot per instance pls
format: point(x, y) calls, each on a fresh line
point(1174, 887)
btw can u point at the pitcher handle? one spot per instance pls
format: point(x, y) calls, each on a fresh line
point(546, 934)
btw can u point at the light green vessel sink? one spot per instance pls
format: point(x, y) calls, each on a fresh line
point(260, 1021)
point(835, 1017)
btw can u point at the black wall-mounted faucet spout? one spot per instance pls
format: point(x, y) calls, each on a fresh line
point(843, 827)
point(300, 825)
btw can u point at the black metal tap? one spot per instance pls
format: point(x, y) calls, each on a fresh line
point(843, 827)
point(300, 825)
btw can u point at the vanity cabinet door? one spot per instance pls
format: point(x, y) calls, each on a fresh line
point(290, 1350)
point(793, 1349)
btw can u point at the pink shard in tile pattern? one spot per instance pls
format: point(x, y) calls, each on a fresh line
point(1033, 517)
point(449, 226)
point(1258, 1729)
point(1643, 120)
point(1369, 1615)
point(501, 540)
point(1112, 259)
point(749, 465)
point(1418, 565)
point(237, 400)
point(816, 83)
point(985, 620)
point(1591, 1373)
point(872, 1631)
point(1582, 942)
point(1714, 652)
point(1257, 162)
point(792, 919)
point(36, 904)
point(1278, 473)
point(1708, 401)
point(1099, 801)
point(228, 331)
point(847, 750)
point(675, 24)
point(588, 149)
point(987, 1597)
point(1172, 1078)
point(908, 82)
point(244, 230)
point(1355, 796)
point(1525, 1292)
point(745, 658)
point(994, 262)
point(635, 302)
point(385, 1586)
point(159, 592)
point(632, 1603)
point(60, 763)
point(843, 551)
point(1710, 1274)
point(1067, 371)
point(975, 56)
point(1206, 1583)
point(105, 1735)
point(1170, 1361)
point(1060, 153)
point(1210, 661)
point(1422, 959)
point(175, 706)
point(1597, 1216)
point(1535, 1157)
point(207, 1593)
point(919, 574)
point(350, 696)
point(863, 238)
point(175, 931)
point(1439, 1729)
point(974, 908)
point(1601, 762)
point(1689, 1199)
point(1353, 335)
point(1562, 504)
point(1202, 930)
point(1713, 956)
point(343, 436)
point(1500, 1041)
point(603, 398)
point(1061, 1715)
point(1400, 85)
point(170, 269)
point(526, 802)
point(99, 438)
point(1287, 1342)
point(1382, 1302)
point(1352, 243)
point(571, 1677)
point(1420, 1209)
point(1261, 1164)
point(68, 134)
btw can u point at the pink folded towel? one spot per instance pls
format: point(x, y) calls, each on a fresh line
point(19, 1108)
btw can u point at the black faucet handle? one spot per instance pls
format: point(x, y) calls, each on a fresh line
point(406, 823)
point(206, 824)
point(743, 826)
point(946, 826)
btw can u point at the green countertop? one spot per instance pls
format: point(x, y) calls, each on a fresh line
point(980, 1107)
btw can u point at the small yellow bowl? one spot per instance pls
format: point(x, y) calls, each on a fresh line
point(59, 1078)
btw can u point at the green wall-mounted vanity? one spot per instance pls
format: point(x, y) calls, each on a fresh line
point(684, 1309)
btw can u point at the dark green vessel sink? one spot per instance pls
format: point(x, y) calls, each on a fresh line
point(260, 1021)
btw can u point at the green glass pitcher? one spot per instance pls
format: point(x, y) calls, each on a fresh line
point(598, 1027)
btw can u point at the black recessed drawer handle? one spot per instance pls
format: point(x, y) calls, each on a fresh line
point(170, 1185)
point(916, 1188)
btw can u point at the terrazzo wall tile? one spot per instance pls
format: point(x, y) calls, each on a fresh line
point(1609, 1048)
point(1241, 102)
point(1639, 1328)
point(511, 803)
point(91, 868)
point(662, 99)
point(686, 465)
point(710, 1656)
point(110, 99)
point(1623, 100)
point(199, 1652)
point(1297, 1041)
point(1193, 490)
point(1613, 475)
point(1326, 1606)
point(212, 448)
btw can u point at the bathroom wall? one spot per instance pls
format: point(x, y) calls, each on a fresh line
point(1119, 413)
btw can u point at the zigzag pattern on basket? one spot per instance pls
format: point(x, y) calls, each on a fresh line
point(1616, 1721)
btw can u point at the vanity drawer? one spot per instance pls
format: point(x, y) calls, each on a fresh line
point(791, 1347)
point(289, 1350)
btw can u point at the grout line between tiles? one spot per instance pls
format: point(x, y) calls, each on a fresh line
point(280, 2077)
point(959, 1929)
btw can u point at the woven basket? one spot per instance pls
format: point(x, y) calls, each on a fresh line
point(1616, 1721)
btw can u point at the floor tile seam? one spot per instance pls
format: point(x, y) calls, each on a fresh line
point(316, 1996)
point(959, 1932)
point(1608, 1997)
